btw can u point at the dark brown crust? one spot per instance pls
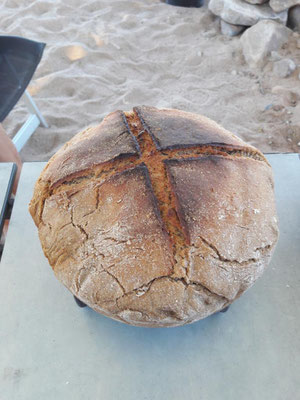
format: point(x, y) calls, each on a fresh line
point(108, 141)
point(128, 216)
point(178, 129)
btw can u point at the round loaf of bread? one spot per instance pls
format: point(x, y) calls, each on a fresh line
point(156, 217)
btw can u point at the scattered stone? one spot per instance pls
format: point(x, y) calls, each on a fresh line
point(289, 97)
point(268, 107)
point(294, 18)
point(275, 56)
point(231, 30)
point(284, 68)
point(280, 5)
point(238, 12)
point(259, 40)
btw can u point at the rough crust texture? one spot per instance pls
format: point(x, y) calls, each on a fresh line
point(156, 217)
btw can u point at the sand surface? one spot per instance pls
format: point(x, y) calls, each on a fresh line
point(104, 55)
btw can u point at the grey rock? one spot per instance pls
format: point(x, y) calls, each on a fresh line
point(294, 18)
point(280, 5)
point(262, 38)
point(284, 68)
point(256, 1)
point(238, 12)
point(231, 30)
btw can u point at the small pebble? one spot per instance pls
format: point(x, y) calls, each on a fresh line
point(231, 30)
point(209, 34)
point(284, 68)
point(268, 107)
point(278, 107)
point(275, 56)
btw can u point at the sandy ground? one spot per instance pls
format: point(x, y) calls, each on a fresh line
point(104, 55)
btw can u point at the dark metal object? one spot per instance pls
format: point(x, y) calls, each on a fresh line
point(80, 303)
point(186, 3)
point(19, 59)
point(225, 309)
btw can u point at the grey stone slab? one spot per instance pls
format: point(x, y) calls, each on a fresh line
point(238, 12)
point(52, 349)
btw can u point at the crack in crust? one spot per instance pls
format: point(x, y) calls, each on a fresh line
point(116, 279)
point(261, 250)
point(140, 291)
point(78, 226)
point(169, 313)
